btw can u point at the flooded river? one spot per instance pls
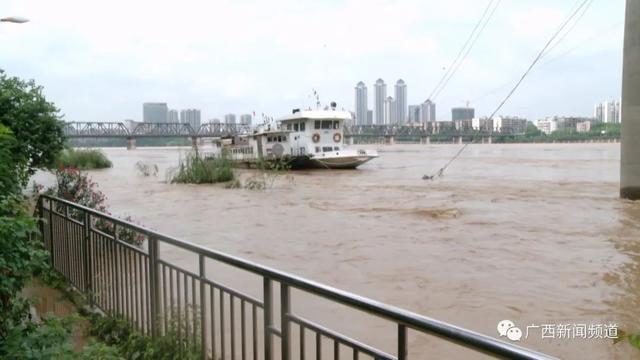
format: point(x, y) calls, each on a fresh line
point(531, 233)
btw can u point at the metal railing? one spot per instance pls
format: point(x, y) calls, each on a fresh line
point(89, 248)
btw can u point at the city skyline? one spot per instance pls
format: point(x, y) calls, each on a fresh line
point(61, 51)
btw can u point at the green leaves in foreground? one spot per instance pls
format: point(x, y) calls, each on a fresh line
point(35, 122)
point(634, 339)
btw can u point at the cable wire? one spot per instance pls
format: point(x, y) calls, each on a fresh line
point(535, 61)
point(466, 43)
point(484, 25)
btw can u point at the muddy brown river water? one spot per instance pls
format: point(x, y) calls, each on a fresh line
point(531, 233)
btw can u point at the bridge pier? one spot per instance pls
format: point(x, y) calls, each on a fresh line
point(348, 140)
point(457, 139)
point(487, 140)
point(194, 142)
point(630, 134)
point(390, 140)
point(425, 140)
point(131, 143)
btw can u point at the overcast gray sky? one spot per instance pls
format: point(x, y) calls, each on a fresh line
point(99, 61)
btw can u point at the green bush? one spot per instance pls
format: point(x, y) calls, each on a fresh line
point(83, 159)
point(49, 340)
point(22, 255)
point(13, 166)
point(35, 122)
point(133, 345)
point(197, 170)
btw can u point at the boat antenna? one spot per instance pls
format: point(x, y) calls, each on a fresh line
point(317, 97)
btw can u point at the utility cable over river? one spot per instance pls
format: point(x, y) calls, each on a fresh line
point(545, 50)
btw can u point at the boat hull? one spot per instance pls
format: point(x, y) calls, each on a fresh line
point(307, 162)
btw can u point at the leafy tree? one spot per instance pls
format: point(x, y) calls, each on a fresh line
point(13, 172)
point(21, 254)
point(35, 122)
point(532, 130)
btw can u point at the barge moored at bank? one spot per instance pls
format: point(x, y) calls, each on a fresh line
point(303, 139)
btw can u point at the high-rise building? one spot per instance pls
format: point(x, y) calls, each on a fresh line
point(380, 97)
point(598, 112)
point(361, 103)
point(390, 111)
point(245, 119)
point(369, 117)
point(191, 117)
point(462, 113)
point(428, 111)
point(230, 119)
point(172, 116)
point(611, 112)
point(414, 114)
point(608, 112)
point(154, 112)
point(401, 102)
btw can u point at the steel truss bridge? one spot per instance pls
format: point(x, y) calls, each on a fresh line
point(141, 130)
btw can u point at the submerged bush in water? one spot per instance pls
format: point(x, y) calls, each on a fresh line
point(197, 170)
point(84, 159)
point(145, 169)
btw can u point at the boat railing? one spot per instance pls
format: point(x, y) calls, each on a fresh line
point(154, 293)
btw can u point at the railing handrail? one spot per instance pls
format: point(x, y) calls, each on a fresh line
point(449, 332)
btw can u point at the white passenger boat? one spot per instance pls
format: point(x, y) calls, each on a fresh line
point(304, 139)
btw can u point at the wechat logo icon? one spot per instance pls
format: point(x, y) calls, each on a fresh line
point(508, 328)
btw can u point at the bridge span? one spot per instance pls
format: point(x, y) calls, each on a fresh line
point(387, 134)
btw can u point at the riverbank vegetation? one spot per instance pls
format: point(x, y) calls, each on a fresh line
point(31, 138)
point(83, 159)
point(196, 169)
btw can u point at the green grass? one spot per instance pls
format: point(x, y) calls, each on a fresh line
point(83, 159)
point(196, 170)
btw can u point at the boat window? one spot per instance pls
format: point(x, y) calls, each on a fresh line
point(326, 124)
point(295, 127)
point(268, 139)
point(317, 124)
point(326, 148)
point(284, 138)
point(301, 126)
point(317, 149)
point(288, 126)
point(336, 148)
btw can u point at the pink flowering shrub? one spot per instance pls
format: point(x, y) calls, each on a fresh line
point(77, 187)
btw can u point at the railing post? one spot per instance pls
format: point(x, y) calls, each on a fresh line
point(203, 308)
point(51, 252)
point(65, 240)
point(88, 278)
point(154, 286)
point(402, 342)
point(285, 325)
point(268, 318)
point(116, 270)
point(41, 219)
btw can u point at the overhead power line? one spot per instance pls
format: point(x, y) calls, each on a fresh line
point(540, 55)
point(535, 61)
point(475, 39)
point(463, 51)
